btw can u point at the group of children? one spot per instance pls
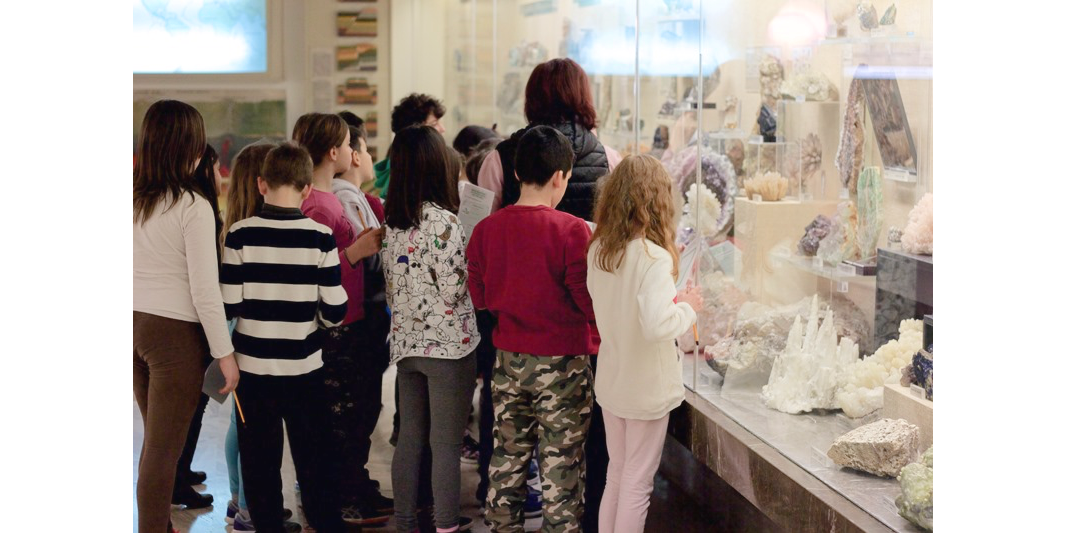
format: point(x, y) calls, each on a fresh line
point(301, 278)
point(327, 287)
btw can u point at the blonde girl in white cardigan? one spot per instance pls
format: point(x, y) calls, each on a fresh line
point(633, 265)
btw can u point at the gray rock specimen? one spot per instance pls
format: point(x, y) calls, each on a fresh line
point(881, 448)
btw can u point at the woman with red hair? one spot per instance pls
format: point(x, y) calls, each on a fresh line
point(557, 95)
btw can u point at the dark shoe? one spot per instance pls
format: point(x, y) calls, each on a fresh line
point(468, 451)
point(191, 499)
point(364, 518)
point(232, 510)
point(375, 501)
point(244, 523)
point(195, 478)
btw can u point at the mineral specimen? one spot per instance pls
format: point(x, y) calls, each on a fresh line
point(868, 16)
point(771, 73)
point(767, 123)
point(702, 210)
point(860, 393)
point(840, 243)
point(890, 16)
point(895, 234)
point(668, 106)
point(813, 233)
point(918, 235)
point(758, 336)
point(881, 448)
point(735, 152)
point(718, 175)
point(810, 157)
point(869, 194)
point(920, 372)
point(850, 150)
point(851, 321)
point(730, 113)
point(771, 186)
point(806, 375)
point(916, 501)
point(810, 84)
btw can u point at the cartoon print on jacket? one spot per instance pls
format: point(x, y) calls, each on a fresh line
point(426, 287)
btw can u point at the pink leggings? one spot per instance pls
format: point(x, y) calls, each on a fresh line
point(634, 450)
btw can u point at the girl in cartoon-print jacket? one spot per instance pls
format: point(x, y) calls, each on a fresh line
point(433, 328)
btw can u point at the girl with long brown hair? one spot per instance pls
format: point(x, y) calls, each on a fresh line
point(633, 266)
point(177, 303)
point(433, 325)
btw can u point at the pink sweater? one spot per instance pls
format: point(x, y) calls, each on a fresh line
point(326, 209)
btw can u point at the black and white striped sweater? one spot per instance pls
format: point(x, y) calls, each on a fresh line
point(281, 280)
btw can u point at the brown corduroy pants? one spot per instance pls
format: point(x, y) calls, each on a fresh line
point(168, 372)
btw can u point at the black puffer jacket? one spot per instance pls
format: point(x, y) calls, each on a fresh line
point(590, 164)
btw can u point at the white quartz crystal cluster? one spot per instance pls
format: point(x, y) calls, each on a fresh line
point(809, 371)
point(702, 210)
point(747, 356)
point(861, 387)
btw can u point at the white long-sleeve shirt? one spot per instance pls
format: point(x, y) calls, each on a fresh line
point(176, 271)
point(639, 372)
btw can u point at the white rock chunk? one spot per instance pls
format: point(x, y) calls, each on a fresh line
point(881, 448)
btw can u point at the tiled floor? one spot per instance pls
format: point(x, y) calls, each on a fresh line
point(670, 510)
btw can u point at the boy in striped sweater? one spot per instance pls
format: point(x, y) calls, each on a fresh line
point(281, 280)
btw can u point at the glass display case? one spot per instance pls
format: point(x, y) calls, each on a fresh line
point(810, 126)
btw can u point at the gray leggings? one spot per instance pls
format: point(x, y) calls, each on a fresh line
point(435, 400)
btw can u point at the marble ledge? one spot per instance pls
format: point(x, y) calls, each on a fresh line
point(784, 492)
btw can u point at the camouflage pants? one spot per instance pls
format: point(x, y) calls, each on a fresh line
point(545, 401)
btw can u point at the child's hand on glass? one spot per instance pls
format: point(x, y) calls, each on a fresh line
point(692, 296)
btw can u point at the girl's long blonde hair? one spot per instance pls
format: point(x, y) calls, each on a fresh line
point(635, 201)
point(244, 200)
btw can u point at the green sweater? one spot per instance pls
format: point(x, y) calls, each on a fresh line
point(381, 180)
